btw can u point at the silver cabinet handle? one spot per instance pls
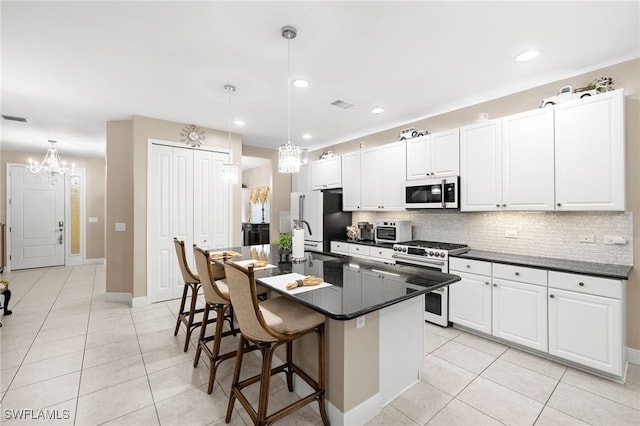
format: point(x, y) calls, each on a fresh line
point(559, 204)
point(551, 296)
point(495, 285)
point(486, 283)
point(517, 274)
point(581, 284)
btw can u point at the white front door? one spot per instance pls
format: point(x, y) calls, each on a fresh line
point(37, 220)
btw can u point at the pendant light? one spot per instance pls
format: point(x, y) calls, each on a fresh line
point(229, 171)
point(289, 154)
point(51, 167)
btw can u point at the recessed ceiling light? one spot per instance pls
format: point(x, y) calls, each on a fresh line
point(527, 56)
point(300, 83)
point(239, 123)
point(377, 110)
point(306, 136)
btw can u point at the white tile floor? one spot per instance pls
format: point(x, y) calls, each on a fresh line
point(67, 351)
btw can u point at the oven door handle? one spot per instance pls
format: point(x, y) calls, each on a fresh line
point(418, 262)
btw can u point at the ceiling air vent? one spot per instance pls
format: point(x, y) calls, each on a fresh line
point(342, 104)
point(12, 118)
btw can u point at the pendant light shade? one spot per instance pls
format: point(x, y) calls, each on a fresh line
point(229, 170)
point(289, 154)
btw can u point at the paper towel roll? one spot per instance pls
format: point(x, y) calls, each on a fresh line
point(297, 244)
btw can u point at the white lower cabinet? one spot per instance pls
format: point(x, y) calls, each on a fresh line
point(575, 317)
point(586, 326)
point(470, 298)
point(379, 254)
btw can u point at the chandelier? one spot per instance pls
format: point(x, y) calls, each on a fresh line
point(289, 154)
point(229, 171)
point(52, 168)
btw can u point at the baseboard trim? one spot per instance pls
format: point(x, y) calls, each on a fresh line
point(96, 261)
point(139, 301)
point(633, 356)
point(118, 297)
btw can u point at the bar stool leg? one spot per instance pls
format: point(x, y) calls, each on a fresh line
point(216, 345)
point(289, 370)
point(180, 312)
point(236, 377)
point(192, 313)
point(203, 328)
point(265, 381)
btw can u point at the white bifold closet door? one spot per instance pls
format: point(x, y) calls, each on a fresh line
point(186, 200)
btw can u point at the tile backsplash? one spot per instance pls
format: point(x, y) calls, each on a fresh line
point(547, 234)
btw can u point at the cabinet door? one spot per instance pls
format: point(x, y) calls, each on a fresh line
point(470, 302)
point(301, 181)
point(351, 181)
point(372, 284)
point(418, 155)
point(351, 289)
point(444, 153)
point(480, 178)
point(370, 179)
point(393, 166)
point(586, 329)
point(589, 152)
point(520, 313)
point(527, 161)
point(327, 173)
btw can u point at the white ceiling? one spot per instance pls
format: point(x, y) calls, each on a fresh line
point(70, 67)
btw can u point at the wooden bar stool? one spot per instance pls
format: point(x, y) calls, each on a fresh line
point(191, 283)
point(268, 325)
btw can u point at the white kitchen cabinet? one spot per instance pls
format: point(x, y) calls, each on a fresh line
point(589, 153)
point(382, 177)
point(380, 287)
point(351, 288)
point(382, 254)
point(586, 321)
point(527, 142)
point(507, 164)
point(326, 173)
point(339, 247)
point(351, 181)
point(434, 155)
point(358, 250)
point(470, 298)
point(301, 181)
point(379, 254)
point(480, 167)
point(519, 311)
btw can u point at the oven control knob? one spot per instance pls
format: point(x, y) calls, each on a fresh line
point(437, 254)
point(404, 249)
point(431, 253)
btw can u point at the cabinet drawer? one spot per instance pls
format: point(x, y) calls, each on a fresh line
point(338, 247)
point(357, 249)
point(470, 266)
point(520, 274)
point(382, 253)
point(586, 284)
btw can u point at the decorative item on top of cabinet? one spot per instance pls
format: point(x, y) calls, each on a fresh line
point(412, 132)
point(326, 173)
point(566, 93)
point(192, 135)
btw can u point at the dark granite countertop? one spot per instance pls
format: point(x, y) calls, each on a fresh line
point(605, 270)
point(358, 287)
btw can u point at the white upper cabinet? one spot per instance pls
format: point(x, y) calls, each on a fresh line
point(301, 181)
point(480, 167)
point(434, 155)
point(589, 153)
point(527, 161)
point(382, 177)
point(327, 173)
point(351, 181)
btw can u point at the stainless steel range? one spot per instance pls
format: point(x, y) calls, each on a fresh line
point(431, 255)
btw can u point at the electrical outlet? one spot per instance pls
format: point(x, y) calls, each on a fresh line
point(584, 238)
point(121, 226)
point(614, 240)
point(360, 322)
point(511, 233)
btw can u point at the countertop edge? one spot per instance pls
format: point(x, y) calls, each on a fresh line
point(603, 270)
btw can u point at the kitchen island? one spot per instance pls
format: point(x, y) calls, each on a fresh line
point(374, 328)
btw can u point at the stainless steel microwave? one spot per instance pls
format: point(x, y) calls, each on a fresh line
point(434, 193)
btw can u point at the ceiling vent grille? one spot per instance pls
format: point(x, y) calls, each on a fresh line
point(342, 104)
point(13, 118)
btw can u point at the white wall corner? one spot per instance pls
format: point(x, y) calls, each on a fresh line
point(118, 297)
point(96, 261)
point(139, 301)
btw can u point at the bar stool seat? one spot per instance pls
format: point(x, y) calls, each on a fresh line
point(191, 285)
point(268, 325)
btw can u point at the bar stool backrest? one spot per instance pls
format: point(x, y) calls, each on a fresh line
point(212, 293)
point(244, 299)
point(188, 276)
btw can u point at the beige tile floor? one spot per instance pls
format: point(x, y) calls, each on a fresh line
point(67, 351)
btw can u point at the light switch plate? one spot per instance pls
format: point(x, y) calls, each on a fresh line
point(360, 322)
point(511, 233)
point(120, 226)
point(93, 220)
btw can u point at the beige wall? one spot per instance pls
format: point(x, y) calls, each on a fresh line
point(127, 172)
point(94, 193)
point(625, 75)
point(280, 187)
point(257, 177)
